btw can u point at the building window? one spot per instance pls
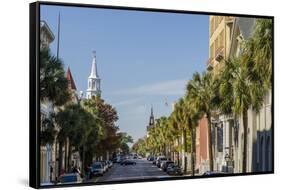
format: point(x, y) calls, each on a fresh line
point(267, 154)
point(261, 154)
point(220, 138)
point(43, 117)
point(236, 133)
point(267, 99)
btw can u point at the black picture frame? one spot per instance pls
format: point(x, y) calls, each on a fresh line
point(34, 93)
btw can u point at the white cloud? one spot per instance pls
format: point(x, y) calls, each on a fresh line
point(172, 87)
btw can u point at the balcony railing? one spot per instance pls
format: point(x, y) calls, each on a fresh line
point(219, 54)
point(210, 63)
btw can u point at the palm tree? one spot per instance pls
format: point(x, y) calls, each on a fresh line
point(175, 132)
point(202, 91)
point(53, 83)
point(181, 119)
point(53, 88)
point(193, 115)
point(164, 133)
point(240, 93)
point(257, 52)
point(47, 135)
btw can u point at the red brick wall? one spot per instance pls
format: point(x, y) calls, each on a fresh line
point(201, 141)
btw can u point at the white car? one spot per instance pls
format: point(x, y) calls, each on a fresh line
point(97, 169)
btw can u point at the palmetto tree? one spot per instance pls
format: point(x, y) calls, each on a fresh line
point(257, 52)
point(175, 132)
point(49, 132)
point(53, 88)
point(240, 93)
point(181, 119)
point(164, 133)
point(192, 117)
point(53, 83)
point(202, 91)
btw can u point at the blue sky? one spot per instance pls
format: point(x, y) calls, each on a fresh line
point(143, 58)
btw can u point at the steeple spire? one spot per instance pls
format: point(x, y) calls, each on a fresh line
point(94, 70)
point(151, 119)
point(93, 80)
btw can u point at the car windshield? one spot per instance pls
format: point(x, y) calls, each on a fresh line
point(163, 158)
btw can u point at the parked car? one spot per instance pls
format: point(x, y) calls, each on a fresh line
point(121, 160)
point(97, 169)
point(70, 178)
point(105, 165)
point(165, 164)
point(213, 173)
point(159, 160)
point(174, 169)
point(114, 160)
point(110, 163)
point(151, 158)
point(128, 162)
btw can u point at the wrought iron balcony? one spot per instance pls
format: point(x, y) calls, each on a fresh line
point(210, 63)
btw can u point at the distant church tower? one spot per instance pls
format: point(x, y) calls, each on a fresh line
point(93, 80)
point(151, 121)
point(151, 118)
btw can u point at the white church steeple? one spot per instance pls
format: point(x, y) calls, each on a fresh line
point(93, 80)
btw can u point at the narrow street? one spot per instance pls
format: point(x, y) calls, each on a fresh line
point(142, 170)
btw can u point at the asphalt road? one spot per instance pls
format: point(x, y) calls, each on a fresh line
point(142, 170)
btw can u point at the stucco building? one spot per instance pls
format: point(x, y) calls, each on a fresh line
point(46, 109)
point(226, 37)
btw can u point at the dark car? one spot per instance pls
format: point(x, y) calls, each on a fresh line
point(128, 162)
point(214, 173)
point(70, 178)
point(174, 169)
point(150, 158)
point(159, 160)
point(114, 160)
point(165, 164)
